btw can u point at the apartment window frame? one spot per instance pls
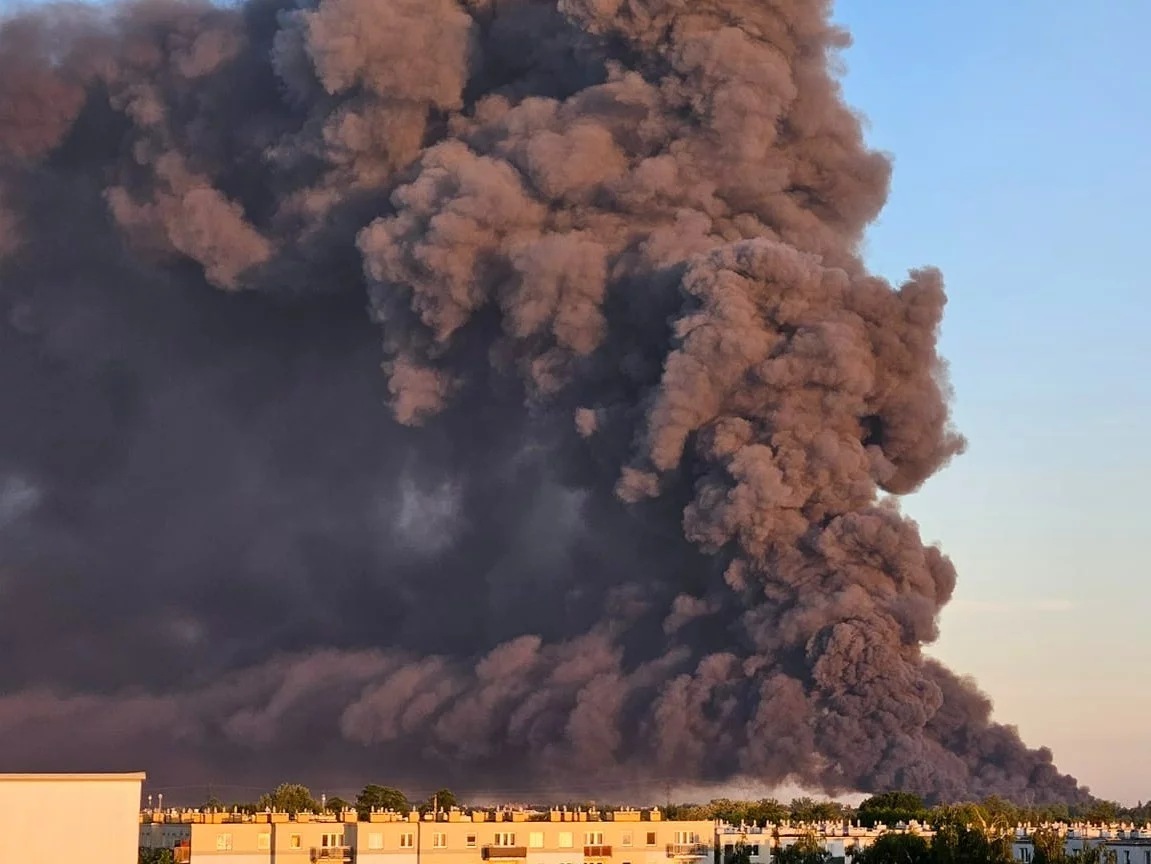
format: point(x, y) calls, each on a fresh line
point(535, 839)
point(296, 841)
point(505, 839)
point(592, 838)
point(567, 840)
point(408, 840)
point(264, 841)
point(331, 841)
point(626, 840)
point(470, 841)
point(375, 841)
point(224, 841)
point(651, 838)
point(439, 840)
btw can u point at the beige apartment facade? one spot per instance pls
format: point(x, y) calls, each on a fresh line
point(499, 837)
point(245, 839)
point(102, 809)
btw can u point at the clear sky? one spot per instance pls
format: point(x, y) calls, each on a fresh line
point(1021, 132)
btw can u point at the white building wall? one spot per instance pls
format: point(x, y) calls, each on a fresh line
point(101, 810)
point(1131, 853)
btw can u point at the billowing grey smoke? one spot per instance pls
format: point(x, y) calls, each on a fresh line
point(616, 507)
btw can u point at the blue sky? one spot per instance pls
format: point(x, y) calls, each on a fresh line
point(1021, 133)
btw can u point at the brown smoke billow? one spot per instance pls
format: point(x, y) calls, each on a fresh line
point(617, 507)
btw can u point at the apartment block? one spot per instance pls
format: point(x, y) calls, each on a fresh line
point(1122, 843)
point(501, 837)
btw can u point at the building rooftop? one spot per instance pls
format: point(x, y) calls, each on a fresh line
point(138, 776)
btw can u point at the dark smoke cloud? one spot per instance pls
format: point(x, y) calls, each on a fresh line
point(618, 504)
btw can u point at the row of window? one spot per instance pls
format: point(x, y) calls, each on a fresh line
point(295, 841)
point(1025, 856)
point(440, 840)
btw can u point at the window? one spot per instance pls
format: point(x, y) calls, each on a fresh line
point(223, 842)
point(650, 838)
point(331, 841)
point(294, 841)
point(625, 840)
point(470, 841)
point(593, 838)
point(376, 840)
point(505, 839)
point(755, 851)
point(536, 839)
point(263, 841)
point(683, 838)
point(439, 841)
point(565, 839)
point(407, 841)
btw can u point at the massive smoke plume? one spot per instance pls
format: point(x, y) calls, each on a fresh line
point(616, 508)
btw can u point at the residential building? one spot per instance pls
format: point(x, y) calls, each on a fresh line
point(101, 812)
point(500, 837)
point(842, 840)
point(1129, 844)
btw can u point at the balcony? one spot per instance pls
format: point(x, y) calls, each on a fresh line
point(596, 851)
point(332, 853)
point(686, 850)
point(503, 853)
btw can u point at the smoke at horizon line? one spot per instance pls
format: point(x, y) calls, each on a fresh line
point(466, 388)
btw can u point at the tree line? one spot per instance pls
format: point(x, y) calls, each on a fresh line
point(297, 798)
point(955, 841)
point(889, 808)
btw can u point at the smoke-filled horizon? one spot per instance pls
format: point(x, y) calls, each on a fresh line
point(619, 504)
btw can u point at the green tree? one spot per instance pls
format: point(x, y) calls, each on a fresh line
point(155, 856)
point(805, 850)
point(896, 847)
point(767, 811)
point(337, 805)
point(803, 810)
point(378, 797)
point(965, 835)
point(290, 798)
point(740, 854)
point(731, 812)
point(891, 808)
point(441, 799)
point(1048, 847)
point(827, 811)
point(1102, 811)
point(1095, 854)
